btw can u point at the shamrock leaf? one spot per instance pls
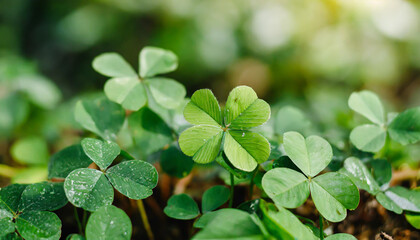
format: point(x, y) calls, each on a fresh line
point(133, 92)
point(182, 206)
point(65, 161)
point(368, 137)
point(214, 197)
point(109, 222)
point(34, 225)
point(243, 110)
point(405, 128)
point(311, 155)
point(101, 152)
point(100, 116)
point(368, 104)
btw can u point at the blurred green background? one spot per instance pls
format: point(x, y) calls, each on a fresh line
point(308, 54)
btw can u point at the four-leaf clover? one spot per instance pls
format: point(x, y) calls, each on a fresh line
point(243, 110)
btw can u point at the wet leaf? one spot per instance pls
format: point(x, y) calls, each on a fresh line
point(67, 160)
point(44, 196)
point(89, 189)
point(102, 153)
point(36, 225)
point(108, 222)
point(134, 179)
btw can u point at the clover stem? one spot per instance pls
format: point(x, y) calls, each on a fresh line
point(251, 185)
point(79, 225)
point(84, 219)
point(146, 223)
point(232, 185)
point(321, 227)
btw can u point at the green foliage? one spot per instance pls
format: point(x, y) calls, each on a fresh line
point(133, 92)
point(91, 189)
point(289, 118)
point(230, 224)
point(214, 197)
point(175, 163)
point(67, 160)
point(31, 151)
point(24, 207)
point(182, 206)
point(243, 111)
point(100, 116)
point(403, 128)
point(102, 153)
point(332, 193)
point(108, 222)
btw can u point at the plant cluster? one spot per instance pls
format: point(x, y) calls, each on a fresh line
point(142, 116)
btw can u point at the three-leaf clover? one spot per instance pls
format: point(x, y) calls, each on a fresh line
point(91, 189)
point(404, 128)
point(243, 111)
point(394, 199)
point(331, 192)
point(24, 206)
point(132, 90)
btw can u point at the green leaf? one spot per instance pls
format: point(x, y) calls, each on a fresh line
point(341, 236)
point(167, 92)
point(134, 179)
point(244, 109)
point(30, 150)
point(36, 225)
point(112, 65)
point(332, 194)
point(75, 237)
point(290, 118)
point(205, 219)
point(360, 175)
point(201, 142)
point(382, 170)
point(230, 224)
point(44, 196)
point(203, 109)
point(67, 160)
point(176, 163)
point(6, 226)
point(108, 222)
point(102, 153)
point(413, 219)
point(406, 199)
point(89, 189)
point(283, 224)
point(100, 116)
point(11, 236)
point(128, 91)
point(31, 175)
point(369, 105)
point(311, 155)
point(155, 61)
point(246, 149)
point(10, 197)
point(150, 132)
point(39, 90)
point(239, 175)
point(14, 110)
point(387, 203)
point(405, 128)
point(368, 137)
point(182, 206)
point(214, 197)
point(286, 187)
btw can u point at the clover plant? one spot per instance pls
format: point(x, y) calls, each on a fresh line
point(243, 111)
point(145, 116)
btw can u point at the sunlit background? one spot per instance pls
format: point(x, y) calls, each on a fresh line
point(308, 54)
